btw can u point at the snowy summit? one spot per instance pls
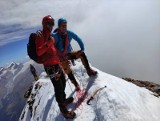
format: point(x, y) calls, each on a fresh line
point(119, 101)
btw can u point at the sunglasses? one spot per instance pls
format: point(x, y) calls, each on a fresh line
point(51, 23)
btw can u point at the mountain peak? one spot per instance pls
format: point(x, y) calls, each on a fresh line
point(13, 65)
point(120, 101)
point(1, 69)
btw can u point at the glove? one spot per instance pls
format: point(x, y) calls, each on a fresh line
point(39, 33)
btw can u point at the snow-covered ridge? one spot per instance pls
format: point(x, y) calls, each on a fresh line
point(14, 81)
point(148, 85)
point(120, 101)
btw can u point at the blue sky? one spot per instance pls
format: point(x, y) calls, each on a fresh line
point(15, 47)
point(13, 52)
point(121, 37)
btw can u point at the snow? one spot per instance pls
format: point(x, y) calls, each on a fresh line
point(120, 101)
point(25, 67)
point(15, 79)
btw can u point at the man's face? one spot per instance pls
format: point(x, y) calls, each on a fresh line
point(49, 25)
point(63, 28)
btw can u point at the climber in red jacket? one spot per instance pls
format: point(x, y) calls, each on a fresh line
point(45, 45)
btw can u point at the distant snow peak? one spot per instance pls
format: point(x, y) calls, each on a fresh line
point(1, 69)
point(12, 65)
point(15, 78)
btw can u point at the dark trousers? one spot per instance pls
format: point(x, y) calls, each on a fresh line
point(81, 55)
point(66, 64)
point(58, 80)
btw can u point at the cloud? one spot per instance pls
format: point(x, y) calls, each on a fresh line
point(17, 16)
point(121, 36)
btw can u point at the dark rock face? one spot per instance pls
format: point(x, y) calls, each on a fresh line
point(148, 85)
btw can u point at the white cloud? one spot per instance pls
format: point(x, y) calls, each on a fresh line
point(122, 33)
point(28, 14)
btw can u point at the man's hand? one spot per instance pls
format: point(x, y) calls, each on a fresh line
point(39, 33)
point(50, 42)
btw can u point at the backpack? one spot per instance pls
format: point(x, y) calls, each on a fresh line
point(31, 50)
point(31, 47)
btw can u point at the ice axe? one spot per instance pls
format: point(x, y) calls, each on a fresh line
point(92, 97)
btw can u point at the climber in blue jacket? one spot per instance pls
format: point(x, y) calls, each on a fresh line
point(63, 39)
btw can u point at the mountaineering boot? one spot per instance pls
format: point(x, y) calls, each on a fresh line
point(91, 72)
point(84, 61)
point(67, 114)
point(68, 101)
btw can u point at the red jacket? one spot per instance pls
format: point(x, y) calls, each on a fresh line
point(45, 45)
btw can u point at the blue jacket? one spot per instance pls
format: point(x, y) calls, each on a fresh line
point(59, 41)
